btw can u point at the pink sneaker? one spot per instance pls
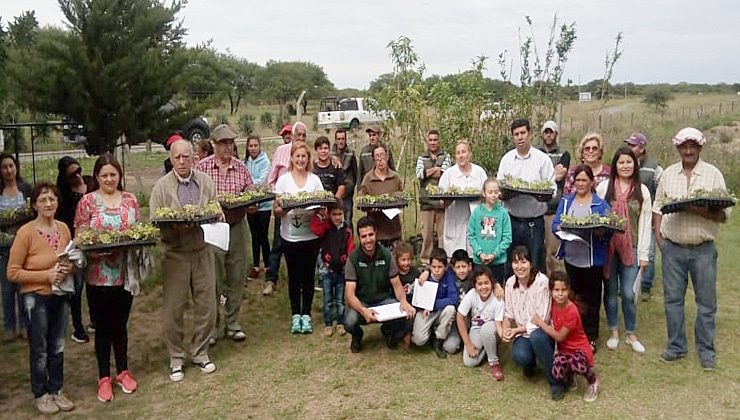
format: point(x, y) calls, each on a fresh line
point(497, 372)
point(127, 382)
point(105, 390)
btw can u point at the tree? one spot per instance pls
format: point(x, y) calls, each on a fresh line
point(113, 69)
point(283, 81)
point(23, 29)
point(658, 98)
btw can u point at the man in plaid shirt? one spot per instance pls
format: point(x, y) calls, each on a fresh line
point(230, 176)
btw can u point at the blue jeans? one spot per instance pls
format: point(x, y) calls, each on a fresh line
point(333, 284)
point(11, 298)
point(701, 263)
point(648, 274)
point(392, 330)
point(348, 204)
point(273, 270)
point(621, 282)
point(46, 330)
point(530, 233)
point(538, 348)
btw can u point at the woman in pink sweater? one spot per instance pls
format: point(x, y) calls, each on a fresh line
point(35, 264)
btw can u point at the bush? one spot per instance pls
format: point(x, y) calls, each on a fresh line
point(246, 124)
point(266, 119)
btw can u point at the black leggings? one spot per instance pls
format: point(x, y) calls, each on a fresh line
point(259, 225)
point(587, 284)
point(301, 260)
point(109, 310)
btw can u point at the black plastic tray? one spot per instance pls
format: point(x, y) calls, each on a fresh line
point(508, 192)
point(117, 245)
point(398, 204)
point(252, 202)
point(681, 205)
point(452, 197)
point(591, 227)
point(323, 202)
point(197, 221)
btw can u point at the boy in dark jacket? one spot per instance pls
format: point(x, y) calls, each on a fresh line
point(336, 245)
point(438, 322)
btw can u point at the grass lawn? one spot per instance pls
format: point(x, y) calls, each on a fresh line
point(278, 375)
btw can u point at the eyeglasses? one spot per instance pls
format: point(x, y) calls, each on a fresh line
point(380, 156)
point(591, 149)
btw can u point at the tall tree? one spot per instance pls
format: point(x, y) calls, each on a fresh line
point(284, 81)
point(112, 69)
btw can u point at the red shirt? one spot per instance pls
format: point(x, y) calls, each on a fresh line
point(237, 176)
point(576, 340)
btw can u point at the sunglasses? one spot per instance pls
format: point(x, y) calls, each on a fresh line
point(591, 149)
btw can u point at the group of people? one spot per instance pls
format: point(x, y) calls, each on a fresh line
point(497, 263)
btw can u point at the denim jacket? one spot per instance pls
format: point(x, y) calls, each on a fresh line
point(598, 245)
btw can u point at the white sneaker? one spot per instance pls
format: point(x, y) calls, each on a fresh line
point(269, 288)
point(206, 367)
point(176, 374)
point(637, 347)
point(612, 343)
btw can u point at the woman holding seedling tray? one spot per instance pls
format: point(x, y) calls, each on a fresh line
point(628, 251)
point(585, 257)
point(109, 208)
point(300, 245)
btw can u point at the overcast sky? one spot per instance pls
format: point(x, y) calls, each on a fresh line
point(664, 41)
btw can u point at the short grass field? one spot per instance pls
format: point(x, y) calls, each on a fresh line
point(274, 374)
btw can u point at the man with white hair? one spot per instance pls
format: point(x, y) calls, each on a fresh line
point(187, 265)
point(686, 241)
point(560, 162)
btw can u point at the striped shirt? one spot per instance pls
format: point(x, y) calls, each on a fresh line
point(237, 176)
point(686, 228)
point(522, 303)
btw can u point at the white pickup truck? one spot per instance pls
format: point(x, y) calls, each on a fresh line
point(347, 113)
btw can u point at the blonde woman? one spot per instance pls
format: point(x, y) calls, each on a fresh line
point(591, 153)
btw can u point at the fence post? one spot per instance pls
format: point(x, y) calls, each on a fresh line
point(632, 120)
point(599, 121)
point(571, 124)
point(720, 108)
point(732, 106)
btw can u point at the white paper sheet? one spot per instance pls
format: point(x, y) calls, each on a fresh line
point(637, 287)
point(388, 312)
point(216, 234)
point(391, 213)
point(568, 236)
point(424, 294)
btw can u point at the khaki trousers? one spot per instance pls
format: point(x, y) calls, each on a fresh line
point(231, 272)
point(431, 221)
point(186, 274)
point(552, 243)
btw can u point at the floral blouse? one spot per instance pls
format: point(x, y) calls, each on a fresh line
point(107, 270)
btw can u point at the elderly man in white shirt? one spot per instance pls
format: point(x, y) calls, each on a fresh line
point(527, 214)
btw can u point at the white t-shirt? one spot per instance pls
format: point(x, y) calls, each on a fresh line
point(481, 311)
point(458, 213)
point(295, 224)
point(536, 166)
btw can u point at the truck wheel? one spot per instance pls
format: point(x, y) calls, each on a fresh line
point(354, 124)
point(196, 134)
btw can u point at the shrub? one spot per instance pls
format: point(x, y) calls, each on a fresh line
point(266, 119)
point(246, 124)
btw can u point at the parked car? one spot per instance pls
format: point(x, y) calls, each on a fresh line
point(347, 113)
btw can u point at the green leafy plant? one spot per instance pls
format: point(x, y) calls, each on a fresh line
point(137, 232)
point(189, 212)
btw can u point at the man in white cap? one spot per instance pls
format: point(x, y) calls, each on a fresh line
point(230, 176)
point(560, 162)
point(686, 241)
point(650, 173)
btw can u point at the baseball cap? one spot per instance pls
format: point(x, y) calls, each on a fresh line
point(374, 129)
point(224, 132)
point(287, 129)
point(636, 139)
point(551, 125)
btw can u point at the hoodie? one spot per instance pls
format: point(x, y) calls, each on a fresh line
point(258, 169)
point(447, 293)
